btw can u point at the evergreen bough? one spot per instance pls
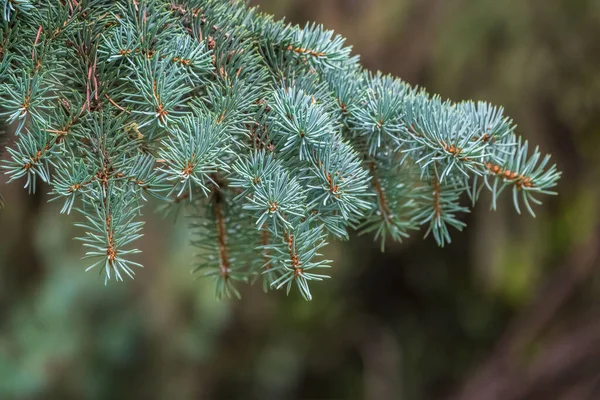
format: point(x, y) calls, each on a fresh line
point(271, 135)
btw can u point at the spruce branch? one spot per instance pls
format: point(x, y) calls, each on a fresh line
point(271, 137)
point(109, 229)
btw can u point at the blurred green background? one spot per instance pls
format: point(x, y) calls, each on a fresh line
point(509, 310)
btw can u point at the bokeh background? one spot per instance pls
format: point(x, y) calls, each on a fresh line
point(510, 310)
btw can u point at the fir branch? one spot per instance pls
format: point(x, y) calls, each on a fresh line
point(271, 135)
point(110, 227)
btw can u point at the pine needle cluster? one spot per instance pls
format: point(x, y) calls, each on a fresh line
point(271, 135)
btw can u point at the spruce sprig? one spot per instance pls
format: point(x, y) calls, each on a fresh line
point(271, 135)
